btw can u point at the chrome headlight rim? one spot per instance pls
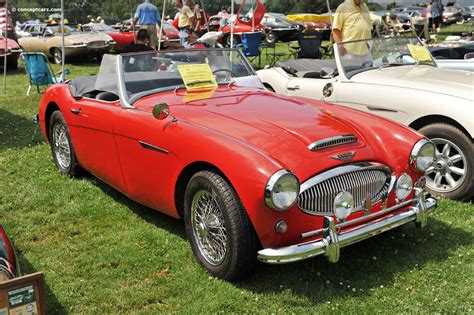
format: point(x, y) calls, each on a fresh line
point(414, 155)
point(272, 182)
point(399, 189)
point(343, 205)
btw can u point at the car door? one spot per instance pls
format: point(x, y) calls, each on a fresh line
point(91, 123)
point(311, 88)
point(149, 163)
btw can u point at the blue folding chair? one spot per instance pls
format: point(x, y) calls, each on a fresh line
point(251, 43)
point(39, 70)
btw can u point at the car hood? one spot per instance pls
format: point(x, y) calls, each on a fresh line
point(10, 44)
point(87, 37)
point(424, 78)
point(283, 128)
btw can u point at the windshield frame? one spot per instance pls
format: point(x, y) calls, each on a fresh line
point(127, 102)
point(346, 77)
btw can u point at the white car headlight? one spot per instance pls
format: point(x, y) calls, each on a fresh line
point(403, 187)
point(422, 155)
point(343, 205)
point(282, 190)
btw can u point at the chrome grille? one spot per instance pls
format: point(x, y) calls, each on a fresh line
point(361, 180)
point(96, 44)
point(332, 142)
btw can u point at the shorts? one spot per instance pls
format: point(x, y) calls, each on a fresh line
point(152, 34)
point(437, 20)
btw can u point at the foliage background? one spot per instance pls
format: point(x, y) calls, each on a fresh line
point(115, 10)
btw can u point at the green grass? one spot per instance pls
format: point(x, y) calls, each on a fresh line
point(103, 253)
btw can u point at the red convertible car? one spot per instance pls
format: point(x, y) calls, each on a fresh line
point(255, 175)
point(13, 52)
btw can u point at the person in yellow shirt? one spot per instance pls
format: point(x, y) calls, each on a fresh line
point(352, 23)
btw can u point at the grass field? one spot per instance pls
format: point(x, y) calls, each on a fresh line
point(103, 253)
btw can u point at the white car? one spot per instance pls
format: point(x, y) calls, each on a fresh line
point(391, 83)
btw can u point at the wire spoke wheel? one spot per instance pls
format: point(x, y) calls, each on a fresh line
point(448, 171)
point(61, 146)
point(209, 228)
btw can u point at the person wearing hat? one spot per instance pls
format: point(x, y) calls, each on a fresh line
point(147, 15)
point(185, 20)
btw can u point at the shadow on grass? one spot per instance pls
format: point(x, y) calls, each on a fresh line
point(52, 304)
point(17, 131)
point(363, 266)
point(151, 216)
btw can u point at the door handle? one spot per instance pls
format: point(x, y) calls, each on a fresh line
point(76, 111)
point(293, 88)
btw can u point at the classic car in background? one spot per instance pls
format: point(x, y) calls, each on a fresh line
point(281, 29)
point(13, 52)
point(434, 101)
point(467, 10)
point(125, 37)
point(255, 175)
point(451, 14)
point(76, 43)
point(8, 262)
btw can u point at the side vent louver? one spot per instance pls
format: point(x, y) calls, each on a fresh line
point(332, 142)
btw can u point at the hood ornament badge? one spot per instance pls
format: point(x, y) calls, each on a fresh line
point(344, 157)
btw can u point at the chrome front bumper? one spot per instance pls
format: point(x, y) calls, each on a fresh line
point(332, 241)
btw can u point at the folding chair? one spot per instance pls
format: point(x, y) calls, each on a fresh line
point(309, 45)
point(273, 56)
point(251, 43)
point(39, 70)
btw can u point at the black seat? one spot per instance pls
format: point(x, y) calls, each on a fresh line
point(107, 96)
point(309, 45)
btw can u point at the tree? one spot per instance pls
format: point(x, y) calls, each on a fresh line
point(374, 6)
point(392, 5)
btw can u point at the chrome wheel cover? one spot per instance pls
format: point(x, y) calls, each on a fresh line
point(58, 56)
point(449, 168)
point(61, 146)
point(208, 227)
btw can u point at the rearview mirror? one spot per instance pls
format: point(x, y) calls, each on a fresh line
point(161, 111)
point(327, 73)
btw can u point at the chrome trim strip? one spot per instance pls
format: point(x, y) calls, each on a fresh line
point(348, 138)
point(152, 147)
point(332, 241)
point(372, 215)
point(381, 109)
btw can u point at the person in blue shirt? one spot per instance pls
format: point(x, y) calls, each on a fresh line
point(147, 15)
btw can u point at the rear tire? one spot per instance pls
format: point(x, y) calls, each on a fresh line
point(271, 37)
point(221, 235)
point(237, 40)
point(57, 56)
point(452, 173)
point(61, 146)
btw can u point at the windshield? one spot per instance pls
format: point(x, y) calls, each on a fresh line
point(56, 29)
point(102, 28)
point(363, 55)
point(158, 71)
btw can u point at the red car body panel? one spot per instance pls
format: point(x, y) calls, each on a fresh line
point(11, 45)
point(246, 133)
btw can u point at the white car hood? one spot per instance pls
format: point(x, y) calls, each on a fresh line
point(426, 78)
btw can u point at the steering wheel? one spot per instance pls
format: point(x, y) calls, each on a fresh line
point(221, 70)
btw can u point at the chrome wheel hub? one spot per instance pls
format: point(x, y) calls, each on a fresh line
point(209, 229)
point(448, 171)
point(61, 147)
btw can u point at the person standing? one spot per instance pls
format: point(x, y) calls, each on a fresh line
point(352, 23)
point(185, 20)
point(148, 16)
point(437, 14)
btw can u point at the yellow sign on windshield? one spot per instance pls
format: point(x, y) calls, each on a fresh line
point(197, 77)
point(419, 53)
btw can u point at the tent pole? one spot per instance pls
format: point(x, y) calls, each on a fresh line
point(6, 50)
point(330, 13)
point(161, 26)
point(231, 25)
point(253, 16)
point(62, 41)
point(131, 20)
point(205, 16)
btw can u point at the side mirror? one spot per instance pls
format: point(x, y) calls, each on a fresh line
point(161, 111)
point(327, 73)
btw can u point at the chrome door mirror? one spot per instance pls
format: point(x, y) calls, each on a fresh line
point(327, 73)
point(161, 111)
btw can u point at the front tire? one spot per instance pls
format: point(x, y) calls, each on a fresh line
point(61, 146)
point(57, 56)
point(452, 174)
point(221, 234)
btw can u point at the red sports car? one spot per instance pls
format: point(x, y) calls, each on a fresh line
point(255, 175)
point(8, 262)
point(13, 52)
point(125, 37)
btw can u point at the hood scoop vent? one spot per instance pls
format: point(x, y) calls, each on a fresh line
point(332, 142)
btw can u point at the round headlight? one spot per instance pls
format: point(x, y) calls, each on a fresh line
point(343, 205)
point(422, 155)
point(403, 187)
point(282, 190)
